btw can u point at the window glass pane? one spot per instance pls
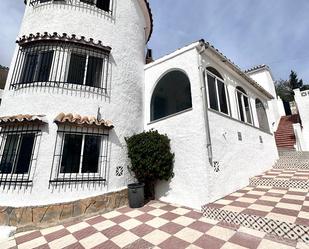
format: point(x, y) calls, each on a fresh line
point(171, 95)
point(222, 97)
point(160, 110)
point(103, 4)
point(262, 115)
point(71, 153)
point(91, 2)
point(248, 110)
point(212, 93)
point(94, 71)
point(9, 153)
point(45, 63)
point(29, 66)
point(91, 154)
point(77, 69)
point(24, 154)
point(240, 108)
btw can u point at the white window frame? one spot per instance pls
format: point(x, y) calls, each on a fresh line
point(217, 93)
point(243, 95)
point(87, 54)
point(80, 174)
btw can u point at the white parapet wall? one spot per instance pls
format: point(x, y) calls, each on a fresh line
point(302, 102)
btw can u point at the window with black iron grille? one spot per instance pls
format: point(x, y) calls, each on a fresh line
point(81, 155)
point(18, 154)
point(64, 65)
point(106, 6)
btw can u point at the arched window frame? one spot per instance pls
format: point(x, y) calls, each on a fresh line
point(258, 101)
point(218, 78)
point(151, 105)
point(242, 114)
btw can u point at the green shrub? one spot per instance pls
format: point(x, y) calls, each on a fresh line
point(151, 159)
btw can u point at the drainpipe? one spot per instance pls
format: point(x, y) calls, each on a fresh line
point(201, 48)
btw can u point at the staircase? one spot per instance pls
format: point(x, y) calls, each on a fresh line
point(275, 202)
point(285, 137)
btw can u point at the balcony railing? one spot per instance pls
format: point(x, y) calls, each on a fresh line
point(100, 6)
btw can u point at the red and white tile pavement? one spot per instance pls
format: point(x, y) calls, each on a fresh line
point(156, 225)
point(286, 174)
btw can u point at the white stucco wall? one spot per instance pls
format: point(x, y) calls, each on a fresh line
point(302, 102)
point(123, 104)
point(186, 131)
point(264, 77)
point(195, 182)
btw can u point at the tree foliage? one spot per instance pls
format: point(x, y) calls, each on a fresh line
point(284, 88)
point(151, 156)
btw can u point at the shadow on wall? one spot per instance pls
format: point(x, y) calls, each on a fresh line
point(163, 189)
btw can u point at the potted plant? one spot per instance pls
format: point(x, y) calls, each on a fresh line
point(151, 160)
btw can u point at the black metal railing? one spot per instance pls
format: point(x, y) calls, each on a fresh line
point(80, 156)
point(61, 64)
point(99, 6)
point(18, 154)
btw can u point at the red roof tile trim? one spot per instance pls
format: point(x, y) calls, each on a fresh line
point(82, 120)
point(20, 118)
point(45, 37)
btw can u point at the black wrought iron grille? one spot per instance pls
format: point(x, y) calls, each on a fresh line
point(100, 6)
point(18, 154)
point(80, 156)
point(61, 64)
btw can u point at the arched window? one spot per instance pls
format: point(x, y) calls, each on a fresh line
point(262, 116)
point(244, 108)
point(217, 91)
point(171, 95)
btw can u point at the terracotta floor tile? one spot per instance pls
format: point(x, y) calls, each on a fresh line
point(139, 244)
point(170, 216)
point(201, 226)
point(142, 230)
point(174, 243)
point(107, 244)
point(144, 217)
point(56, 235)
point(95, 220)
point(119, 219)
point(245, 240)
point(171, 228)
point(28, 237)
point(285, 211)
point(81, 234)
point(194, 215)
point(209, 242)
point(113, 231)
point(255, 212)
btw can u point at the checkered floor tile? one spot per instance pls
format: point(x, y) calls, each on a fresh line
point(156, 225)
point(286, 174)
point(286, 205)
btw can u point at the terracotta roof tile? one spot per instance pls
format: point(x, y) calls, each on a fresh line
point(82, 120)
point(22, 118)
point(38, 37)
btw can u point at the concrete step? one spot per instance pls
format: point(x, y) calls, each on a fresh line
point(283, 178)
point(268, 209)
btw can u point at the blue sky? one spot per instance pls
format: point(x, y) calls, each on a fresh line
point(249, 32)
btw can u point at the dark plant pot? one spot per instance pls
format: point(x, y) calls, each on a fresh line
point(136, 195)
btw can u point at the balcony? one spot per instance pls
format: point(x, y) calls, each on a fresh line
point(99, 6)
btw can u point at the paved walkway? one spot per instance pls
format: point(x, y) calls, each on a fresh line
point(156, 225)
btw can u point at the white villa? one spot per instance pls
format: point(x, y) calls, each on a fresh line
point(79, 84)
